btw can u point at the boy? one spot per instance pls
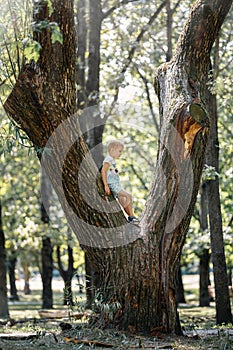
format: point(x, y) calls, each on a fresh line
point(111, 179)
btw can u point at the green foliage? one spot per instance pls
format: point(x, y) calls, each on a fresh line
point(53, 27)
point(50, 5)
point(31, 49)
point(56, 35)
point(209, 173)
point(110, 309)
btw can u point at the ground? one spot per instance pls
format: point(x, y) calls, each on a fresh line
point(28, 328)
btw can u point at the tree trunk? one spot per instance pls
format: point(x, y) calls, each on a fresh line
point(230, 277)
point(92, 125)
point(47, 249)
point(136, 264)
point(47, 273)
point(67, 275)
point(169, 13)
point(11, 270)
point(180, 297)
point(81, 53)
point(204, 278)
point(4, 312)
point(203, 212)
point(222, 299)
point(204, 255)
point(26, 272)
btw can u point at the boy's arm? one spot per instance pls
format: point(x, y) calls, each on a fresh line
point(104, 170)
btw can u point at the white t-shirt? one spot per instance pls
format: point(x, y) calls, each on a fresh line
point(113, 179)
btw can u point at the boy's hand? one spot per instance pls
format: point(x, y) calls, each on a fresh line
point(107, 190)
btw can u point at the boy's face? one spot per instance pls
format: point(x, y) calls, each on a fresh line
point(116, 152)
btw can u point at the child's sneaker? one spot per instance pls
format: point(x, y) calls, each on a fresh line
point(133, 219)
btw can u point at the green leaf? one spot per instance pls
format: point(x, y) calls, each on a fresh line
point(56, 35)
point(209, 173)
point(32, 50)
point(50, 6)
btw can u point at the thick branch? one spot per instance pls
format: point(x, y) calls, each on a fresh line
point(44, 93)
point(199, 34)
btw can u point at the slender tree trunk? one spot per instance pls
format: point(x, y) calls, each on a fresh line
point(26, 272)
point(47, 273)
point(4, 311)
point(180, 297)
point(47, 249)
point(230, 277)
point(67, 275)
point(81, 53)
point(204, 256)
point(95, 125)
point(92, 125)
point(12, 260)
point(203, 213)
point(169, 31)
point(68, 294)
point(204, 278)
point(223, 308)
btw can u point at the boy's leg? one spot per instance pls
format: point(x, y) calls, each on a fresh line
point(125, 200)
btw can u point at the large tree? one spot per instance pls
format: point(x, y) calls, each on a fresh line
point(223, 308)
point(136, 263)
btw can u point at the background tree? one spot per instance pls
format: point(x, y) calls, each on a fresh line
point(4, 312)
point(223, 308)
point(12, 260)
point(47, 249)
point(67, 274)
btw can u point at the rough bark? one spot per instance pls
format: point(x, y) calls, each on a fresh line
point(4, 311)
point(137, 268)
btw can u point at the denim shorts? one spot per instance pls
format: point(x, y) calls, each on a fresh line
point(115, 188)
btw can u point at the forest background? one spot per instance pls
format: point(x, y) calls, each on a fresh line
point(130, 107)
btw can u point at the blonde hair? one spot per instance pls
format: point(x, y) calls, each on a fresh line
point(115, 144)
